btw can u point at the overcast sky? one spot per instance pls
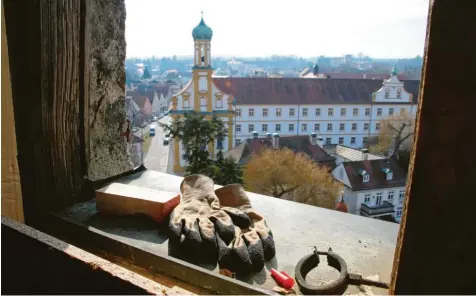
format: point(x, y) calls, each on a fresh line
point(379, 28)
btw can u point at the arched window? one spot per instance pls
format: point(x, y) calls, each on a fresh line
point(219, 103)
point(186, 103)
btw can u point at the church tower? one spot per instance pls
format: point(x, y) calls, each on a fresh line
point(202, 96)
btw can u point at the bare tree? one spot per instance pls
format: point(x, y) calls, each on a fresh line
point(395, 135)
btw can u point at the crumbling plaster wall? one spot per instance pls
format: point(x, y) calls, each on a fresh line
point(108, 154)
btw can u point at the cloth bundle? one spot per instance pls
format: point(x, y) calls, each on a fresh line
point(220, 226)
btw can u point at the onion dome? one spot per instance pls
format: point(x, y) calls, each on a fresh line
point(202, 31)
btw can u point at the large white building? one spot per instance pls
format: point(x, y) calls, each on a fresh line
point(342, 111)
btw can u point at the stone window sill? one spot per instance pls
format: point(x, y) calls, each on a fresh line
point(367, 245)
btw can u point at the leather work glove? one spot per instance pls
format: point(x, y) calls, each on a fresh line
point(195, 223)
point(253, 243)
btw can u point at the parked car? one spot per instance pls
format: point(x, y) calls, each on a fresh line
point(152, 131)
point(135, 129)
point(166, 141)
point(155, 118)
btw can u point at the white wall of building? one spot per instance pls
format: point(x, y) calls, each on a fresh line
point(376, 112)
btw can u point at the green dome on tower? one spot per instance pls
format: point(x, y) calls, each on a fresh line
point(394, 70)
point(202, 31)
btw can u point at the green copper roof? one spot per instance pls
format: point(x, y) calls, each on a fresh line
point(394, 70)
point(202, 31)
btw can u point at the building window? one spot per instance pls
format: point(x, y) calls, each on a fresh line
point(291, 112)
point(401, 195)
point(238, 128)
point(186, 103)
point(390, 196)
point(304, 127)
point(399, 93)
point(278, 111)
point(328, 140)
point(343, 111)
point(291, 127)
point(330, 112)
point(341, 127)
point(402, 111)
point(389, 176)
point(352, 140)
point(203, 102)
point(377, 127)
point(399, 213)
point(251, 128)
point(367, 111)
point(219, 103)
point(304, 112)
point(317, 127)
point(366, 126)
point(329, 127)
point(251, 112)
point(237, 142)
point(390, 111)
point(366, 178)
point(354, 126)
point(220, 144)
point(364, 141)
point(278, 127)
point(367, 198)
point(318, 111)
point(265, 112)
point(355, 112)
point(379, 198)
point(238, 112)
point(264, 127)
point(387, 93)
point(341, 140)
point(379, 111)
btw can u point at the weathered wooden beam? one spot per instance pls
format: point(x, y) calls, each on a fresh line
point(68, 78)
point(435, 253)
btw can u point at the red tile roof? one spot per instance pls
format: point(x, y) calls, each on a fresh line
point(378, 179)
point(243, 152)
point(249, 91)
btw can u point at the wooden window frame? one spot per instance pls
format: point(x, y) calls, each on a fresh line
point(58, 74)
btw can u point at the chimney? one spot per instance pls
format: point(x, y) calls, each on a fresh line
point(320, 141)
point(268, 135)
point(255, 134)
point(275, 140)
point(365, 154)
point(313, 139)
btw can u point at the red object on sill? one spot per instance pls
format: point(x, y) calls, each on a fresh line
point(282, 279)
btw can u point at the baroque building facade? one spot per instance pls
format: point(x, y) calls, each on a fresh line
point(201, 95)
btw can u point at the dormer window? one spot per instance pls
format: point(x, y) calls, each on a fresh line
point(388, 173)
point(387, 93)
point(365, 176)
point(399, 93)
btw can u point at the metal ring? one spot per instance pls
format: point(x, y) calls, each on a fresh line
point(309, 262)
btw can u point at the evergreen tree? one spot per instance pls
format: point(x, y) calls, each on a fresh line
point(195, 132)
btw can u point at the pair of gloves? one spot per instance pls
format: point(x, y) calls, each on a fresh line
point(220, 225)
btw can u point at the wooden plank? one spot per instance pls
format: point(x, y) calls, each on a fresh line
point(434, 253)
point(12, 202)
point(123, 199)
point(45, 61)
